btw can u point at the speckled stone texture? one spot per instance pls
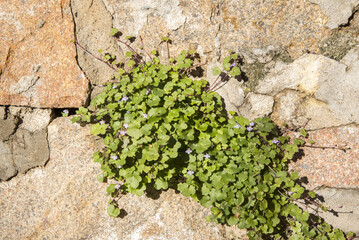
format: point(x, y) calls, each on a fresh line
point(331, 167)
point(37, 55)
point(212, 28)
point(64, 201)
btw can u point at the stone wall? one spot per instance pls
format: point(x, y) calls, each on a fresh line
point(300, 67)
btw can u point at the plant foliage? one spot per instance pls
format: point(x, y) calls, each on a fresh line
point(163, 129)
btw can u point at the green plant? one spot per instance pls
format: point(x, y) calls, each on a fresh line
point(162, 128)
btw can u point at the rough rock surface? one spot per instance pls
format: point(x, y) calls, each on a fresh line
point(317, 88)
point(37, 59)
point(256, 105)
point(93, 24)
point(212, 28)
point(23, 136)
point(337, 11)
point(345, 203)
point(331, 167)
point(65, 199)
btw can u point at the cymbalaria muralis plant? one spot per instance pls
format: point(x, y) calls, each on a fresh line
point(163, 129)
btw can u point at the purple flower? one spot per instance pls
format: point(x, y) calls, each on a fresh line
point(102, 85)
point(275, 141)
point(237, 126)
point(66, 111)
point(125, 125)
point(123, 132)
point(148, 91)
point(118, 186)
point(252, 124)
point(249, 129)
point(114, 86)
point(207, 156)
point(190, 172)
point(102, 122)
point(125, 98)
point(290, 193)
point(114, 157)
point(233, 64)
point(188, 151)
point(144, 115)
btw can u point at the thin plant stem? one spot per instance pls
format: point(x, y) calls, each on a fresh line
point(88, 52)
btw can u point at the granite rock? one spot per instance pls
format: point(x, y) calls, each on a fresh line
point(93, 23)
point(343, 208)
point(7, 166)
point(23, 135)
point(337, 11)
point(8, 126)
point(29, 149)
point(2, 112)
point(330, 167)
point(32, 119)
point(212, 28)
point(256, 105)
point(37, 58)
point(327, 90)
point(230, 89)
point(65, 199)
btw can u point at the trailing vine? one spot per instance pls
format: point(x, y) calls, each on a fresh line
point(163, 129)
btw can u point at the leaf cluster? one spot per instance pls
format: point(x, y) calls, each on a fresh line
point(163, 129)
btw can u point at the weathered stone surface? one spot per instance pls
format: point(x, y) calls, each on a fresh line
point(7, 127)
point(231, 90)
point(209, 27)
point(337, 11)
point(333, 174)
point(33, 119)
point(256, 105)
point(7, 167)
point(331, 167)
point(64, 199)
point(345, 203)
point(2, 113)
point(327, 90)
point(93, 25)
point(37, 59)
point(30, 149)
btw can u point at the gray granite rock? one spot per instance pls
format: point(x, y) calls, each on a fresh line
point(7, 167)
point(29, 149)
point(337, 11)
point(8, 127)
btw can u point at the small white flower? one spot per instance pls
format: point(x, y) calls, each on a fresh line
point(188, 151)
